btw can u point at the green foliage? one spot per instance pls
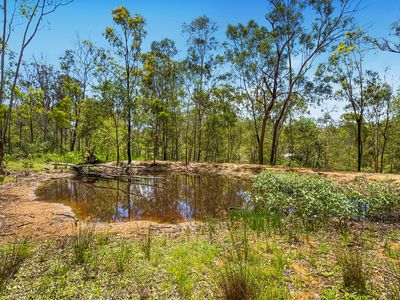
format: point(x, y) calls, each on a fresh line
point(82, 241)
point(313, 200)
point(354, 275)
point(11, 259)
point(237, 284)
point(378, 201)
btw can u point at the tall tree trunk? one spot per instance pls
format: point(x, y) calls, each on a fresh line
point(129, 135)
point(75, 129)
point(383, 154)
point(117, 139)
point(261, 141)
point(31, 129)
point(274, 145)
point(359, 144)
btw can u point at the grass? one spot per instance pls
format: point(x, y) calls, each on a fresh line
point(354, 275)
point(11, 259)
point(82, 241)
point(146, 244)
point(392, 280)
point(193, 266)
point(237, 284)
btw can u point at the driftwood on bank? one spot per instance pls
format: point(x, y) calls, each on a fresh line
point(85, 170)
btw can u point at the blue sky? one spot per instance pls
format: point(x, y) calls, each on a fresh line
point(165, 18)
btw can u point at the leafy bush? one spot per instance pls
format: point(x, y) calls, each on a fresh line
point(314, 200)
point(377, 201)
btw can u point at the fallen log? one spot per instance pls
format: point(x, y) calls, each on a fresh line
point(80, 170)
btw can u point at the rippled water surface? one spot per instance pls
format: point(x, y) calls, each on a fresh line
point(161, 198)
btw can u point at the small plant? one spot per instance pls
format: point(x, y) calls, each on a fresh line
point(237, 283)
point(353, 272)
point(146, 244)
point(122, 258)
point(391, 251)
point(11, 259)
point(239, 238)
point(82, 241)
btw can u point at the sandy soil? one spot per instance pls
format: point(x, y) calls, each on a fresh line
point(22, 216)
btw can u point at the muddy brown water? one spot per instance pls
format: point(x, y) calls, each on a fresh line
point(158, 198)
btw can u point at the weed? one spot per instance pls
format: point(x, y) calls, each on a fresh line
point(237, 283)
point(11, 259)
point(82, 241)
point(146, 244)
point(353, 272)
point(122, 258)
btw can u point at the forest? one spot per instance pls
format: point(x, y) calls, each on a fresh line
point(238, 158)
point(246, 98)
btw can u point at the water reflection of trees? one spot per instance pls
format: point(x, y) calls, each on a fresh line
point(171, 199)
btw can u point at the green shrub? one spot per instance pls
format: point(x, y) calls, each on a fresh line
point(377, 201)
point(312, 199)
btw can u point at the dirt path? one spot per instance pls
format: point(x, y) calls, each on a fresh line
point(22, 216)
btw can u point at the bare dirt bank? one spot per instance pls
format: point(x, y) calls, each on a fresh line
point(245, 171)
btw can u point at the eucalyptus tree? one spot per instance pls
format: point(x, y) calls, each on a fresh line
point(346, 69)
point(30, 15)
point(249, 51)
point(302, 42)
point(201, 65)
point(390, 44)
point(43, 76)
point(162, 92)
point(110, 91)
point(379, 115)
point(275, 59)
point(222, 136)
point(126, 40)
point(79, 65)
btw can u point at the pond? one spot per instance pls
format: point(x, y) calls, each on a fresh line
point(157, 198)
